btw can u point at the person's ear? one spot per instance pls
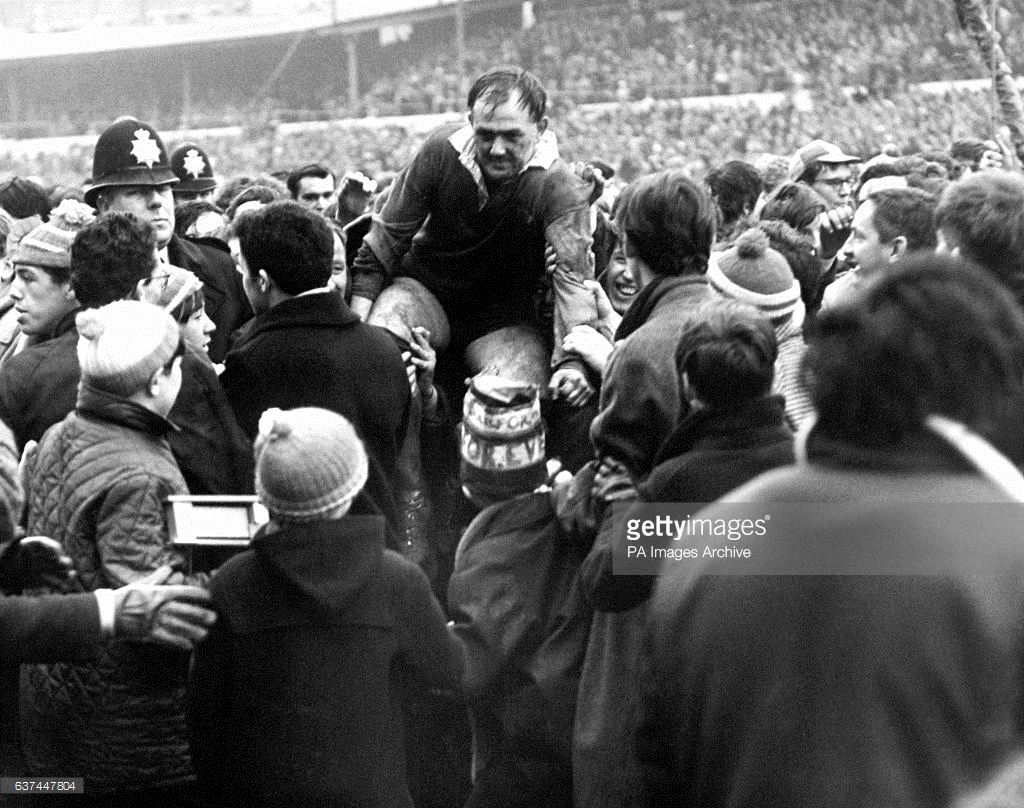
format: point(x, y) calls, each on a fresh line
point(144, 291)
point(155, 383)
point(542, 125)
point(898, 248)
point(263, 281)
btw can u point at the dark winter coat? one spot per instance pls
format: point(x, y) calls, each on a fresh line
point(294, 696)
point(859, 690)
point(312, 351)
point(213, 453)
point(37, 630)
point(39, 386)
point(518, 610)
point(640, 395)
point(97, 484)
point(226, 303)
point(713, 451)
point(709, 454)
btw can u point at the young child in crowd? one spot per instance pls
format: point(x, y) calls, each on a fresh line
point(516, 605)
point(97, 484)
point(295, 699)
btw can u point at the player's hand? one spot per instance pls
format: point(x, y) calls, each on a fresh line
point(593, 175)
point(571, 385)
point(420, 362)
point(357, 182)
point(591, 346)
point(606, 314)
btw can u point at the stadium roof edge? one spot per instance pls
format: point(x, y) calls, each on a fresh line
point(23, 47)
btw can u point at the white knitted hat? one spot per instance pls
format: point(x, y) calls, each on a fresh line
point(122, 344)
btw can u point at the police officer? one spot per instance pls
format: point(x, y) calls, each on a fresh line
point(132, 173)
point(192, 166)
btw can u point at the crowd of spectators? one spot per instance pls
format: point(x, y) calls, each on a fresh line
point(633, 138)
point(706, 49)
point(620, 54)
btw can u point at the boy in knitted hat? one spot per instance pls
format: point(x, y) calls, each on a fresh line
point(97, 484)
point(105, 261)
point(45, 304)
point(42, 290)
point(295, 699)
point(752, 272)
point(516, 604)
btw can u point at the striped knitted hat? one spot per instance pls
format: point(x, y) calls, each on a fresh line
point(752, 272)
point(49, 244)
point(501, 439)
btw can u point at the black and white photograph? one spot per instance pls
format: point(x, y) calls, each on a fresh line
point(512, 404)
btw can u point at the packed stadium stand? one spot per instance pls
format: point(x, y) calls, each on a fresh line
point(623, 82)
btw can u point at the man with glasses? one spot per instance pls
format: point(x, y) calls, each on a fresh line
point(132, 174)
point(829, 172)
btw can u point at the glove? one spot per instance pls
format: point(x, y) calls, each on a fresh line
point(35, 563)
point(175, 616)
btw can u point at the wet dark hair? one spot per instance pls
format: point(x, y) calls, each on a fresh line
point(496, 87)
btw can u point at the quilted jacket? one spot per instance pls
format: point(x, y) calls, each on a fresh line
point(96, 484)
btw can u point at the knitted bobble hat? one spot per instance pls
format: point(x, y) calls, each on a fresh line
point(121, 345)
point(49, 244)
point(170, 287)
point(309, 463)
point(751, 272)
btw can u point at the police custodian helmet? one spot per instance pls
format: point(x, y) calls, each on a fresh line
point(192, 167)
point(129, 152)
